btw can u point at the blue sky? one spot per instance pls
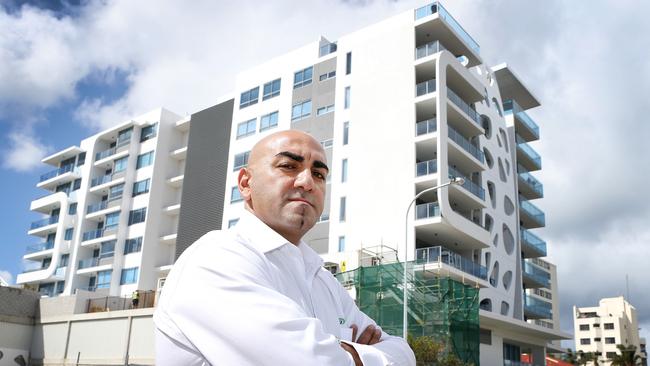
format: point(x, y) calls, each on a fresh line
point(74, 68)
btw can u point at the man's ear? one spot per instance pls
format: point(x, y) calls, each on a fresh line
point(243, 182)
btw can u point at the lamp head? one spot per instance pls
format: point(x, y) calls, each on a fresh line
point(458, 180)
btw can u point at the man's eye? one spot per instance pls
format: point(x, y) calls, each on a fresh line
point(319, 175)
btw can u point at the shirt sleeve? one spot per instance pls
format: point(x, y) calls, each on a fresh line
point(224, 307)
point(390, 351)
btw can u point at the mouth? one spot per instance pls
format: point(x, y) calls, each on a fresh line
point(301, 200)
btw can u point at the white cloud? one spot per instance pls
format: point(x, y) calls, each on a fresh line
point(7, 277)
point(24, 152)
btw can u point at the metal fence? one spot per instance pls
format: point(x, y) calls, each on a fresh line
point(114, 303)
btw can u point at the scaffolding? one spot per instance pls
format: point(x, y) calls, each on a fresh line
point(438, 306)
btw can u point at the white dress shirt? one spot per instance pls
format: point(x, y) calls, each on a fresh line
point(247, 296)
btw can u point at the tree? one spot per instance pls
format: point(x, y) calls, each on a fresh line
point(429, 352)
point(571, 357)
point(628, 356)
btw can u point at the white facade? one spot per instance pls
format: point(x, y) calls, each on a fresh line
point(111, 210)
point(600, 328)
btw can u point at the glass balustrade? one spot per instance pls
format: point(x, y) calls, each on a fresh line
point(511, 107)
point(537, 307)
point(536, 274)
point(428, 49)
point(39, 247)
point(532, 211)
point(477, 190)
point(56, 172)
point(533, 241)
point(425, 127)
point(426, 168)
point(528, 151)
point(465, 144)
point(427, 210)
point(464, 106)
point(97, 207)
point(436, 7)
point(100, 180)
point(425, 87)
point(44, 222)
point(443, 255)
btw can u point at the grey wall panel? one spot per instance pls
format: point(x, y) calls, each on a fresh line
point(205, 174)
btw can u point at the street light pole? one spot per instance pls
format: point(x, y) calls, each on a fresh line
point(454, 180)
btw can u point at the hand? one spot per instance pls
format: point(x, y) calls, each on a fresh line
point(370, 335)
point(353, 352)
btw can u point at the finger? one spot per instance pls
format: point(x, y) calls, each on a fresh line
point(376, 337)
point(354, 332)
point(365, 337)
point(353, 352)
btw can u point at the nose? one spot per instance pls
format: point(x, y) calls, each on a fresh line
point(304, 180)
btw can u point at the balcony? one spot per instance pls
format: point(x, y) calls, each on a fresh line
point(427, 210)
point(426, 127)
point(428, 49)
point(531, 216)
point(529, 186)
point(464, 143)
point(56, 177)
point(56, 172)
point(426, 167)
point(106, 259)
point(99, 233)
point(44, 222)
point(537, 309)
point(458, 41)
point(425, 87)
point(524, 125)
point(527, 156)
point(97, 207)
point(101, 180)
point(443, 255)
point(464, 106)
point(326, 49)
point(533, 276)
point(531, 245)
point(472, 187)
point(35, 248)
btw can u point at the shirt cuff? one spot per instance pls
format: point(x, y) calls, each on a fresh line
point(369, 355)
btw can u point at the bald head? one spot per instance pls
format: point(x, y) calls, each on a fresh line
point(284, 182)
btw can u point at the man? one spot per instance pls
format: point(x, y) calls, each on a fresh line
point(256, 294)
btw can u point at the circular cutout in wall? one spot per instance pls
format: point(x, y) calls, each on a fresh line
point(488, 258)
point(492, 194)
point(507, 280)
point(485, 304)
point(508, 206)
point(487, 125)
point(504, 137)
point(508, 240)
point(489, 222)
point(495, 241)
point(502, 171)
point(507, 166)
point(505, 308)
point(488, 158)
point(494, 277)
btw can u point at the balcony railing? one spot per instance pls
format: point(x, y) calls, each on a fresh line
point(510, 106)
point(536, 274)
point(436, 7)
point(427, 210)
point(477, 190)
point(60, 271)
point(428, 49)
point(528, 151)
point(532, 211)
point(101, 180)
point(94, 234)
point(44, 222)
point(326, 49)
point(425, 127)
point(460, 103)
point(106, 258)
point(539, 308)
point(39, 247)
point(426, 167)
point(443, 255)
point(466, 145)
point(533, 241)
point(530, 180)
point(56, 172)
point(425, 87)
point(97, 207)
point(106, 153)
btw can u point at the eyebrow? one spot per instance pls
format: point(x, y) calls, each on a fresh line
point(300, 159)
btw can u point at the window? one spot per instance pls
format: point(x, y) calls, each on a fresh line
point(271, 89)
point(610, 340)
point(344, 171)
point(60, 286)
point(584, 326)
point(269, 121)
point(597, 339)
point(302, 78)
point(104, 279)
point(596, 325)
point(327, 75)
point(68, 233)
point(246, 128)
point(348, 63)
point(610, 355)
point(137, 216)
point(341, 243)
point(141, 187)
point(324, 110)
point(327, 143)
point(346, 132)
point(120, 164)
point(115, 193)
point(129, 276)
point(342, 210)
point(112, 220)
point(148, 132)
point(241, 160)
point(235, 195)
point(249, 97)
point(346, 103)
point(76, 184)
point(585, 341)
point(133, 245)
point(301, 110)
point(72, 209)
point(124, 136)
point(609, 325)
point(144, 160)
point(107, 249)
point(81, 159)
point(232, 223)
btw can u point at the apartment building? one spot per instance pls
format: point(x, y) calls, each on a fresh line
point(110, 211)
point(601, 328)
